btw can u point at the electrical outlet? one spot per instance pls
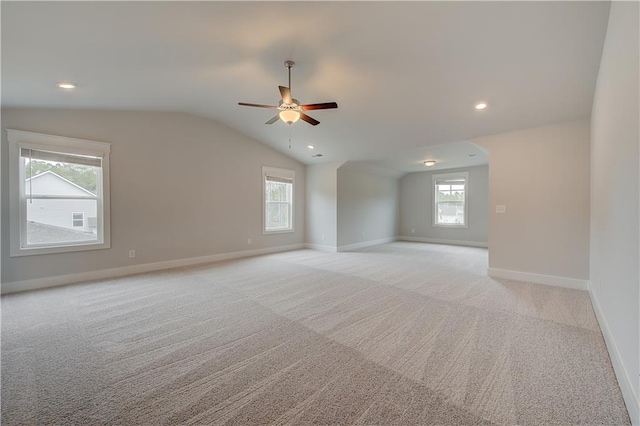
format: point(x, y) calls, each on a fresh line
point(413, 230)
point(363, 234)
point(132, 254)
point(322, 237)
point(249, 241)
point(501, 208)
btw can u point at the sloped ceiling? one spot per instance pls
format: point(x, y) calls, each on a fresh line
point(405, 75)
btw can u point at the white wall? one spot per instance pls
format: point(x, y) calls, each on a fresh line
point(181, 186)
point(322, 210)
point(416, 208)
point(615, 277)
point(368, 203)
point(542, 176)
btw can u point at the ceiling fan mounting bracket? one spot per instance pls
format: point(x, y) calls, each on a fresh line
point(289, 64)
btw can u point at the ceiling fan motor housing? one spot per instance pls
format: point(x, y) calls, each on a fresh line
point(295, 105)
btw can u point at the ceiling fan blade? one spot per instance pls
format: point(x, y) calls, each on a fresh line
point(273, 120)
point(257, 105)
point(286, 94)
point(308, 119)
point(325, 105)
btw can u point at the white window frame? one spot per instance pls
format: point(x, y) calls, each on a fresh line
point(73, 219)
point(285, 174)
point(19, 139)
point(434, 205)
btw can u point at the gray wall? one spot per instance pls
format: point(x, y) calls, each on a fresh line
point(542, 176)
point(615, 277)
point(322, 210)
point(416, 207)
point(368, 203)
point(181, 186)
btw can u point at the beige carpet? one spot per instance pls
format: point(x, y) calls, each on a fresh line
point(403, 333)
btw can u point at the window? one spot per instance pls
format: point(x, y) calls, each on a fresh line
point(77, 219)
point(54, 179)
point(450, 199)
point(278, 200)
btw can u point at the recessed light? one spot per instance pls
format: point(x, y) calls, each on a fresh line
point(472, 155)
point(311, 147)
point(481, 105)
point(67, 85)
point(429, 163)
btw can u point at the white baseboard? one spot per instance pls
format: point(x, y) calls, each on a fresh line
point(38, 283)
point(529, 277)
point(629, 396)
point(321, 247)
point(448, 242)
point(364, 244)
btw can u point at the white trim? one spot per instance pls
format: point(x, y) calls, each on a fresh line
point(364, 244)
point(434, 179)
point(629, 396)
point(448, 242)
point(38, 283)
point(44, 142)
point(321, 247)
point(529, 277)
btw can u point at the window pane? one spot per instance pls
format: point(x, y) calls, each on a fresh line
point(278, 199)
point(450, 212)
point(85, 177)
point(277, 191)
point(278, 215)
point(59, 196)
point(450, 193)
point(48, 221)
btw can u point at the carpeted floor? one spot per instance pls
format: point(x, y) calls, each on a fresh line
point(402, 333)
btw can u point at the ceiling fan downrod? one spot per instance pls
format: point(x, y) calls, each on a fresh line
point(289, 65)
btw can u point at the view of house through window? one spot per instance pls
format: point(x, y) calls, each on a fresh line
point(278, 200)
point(61, 196)
point(450, 196)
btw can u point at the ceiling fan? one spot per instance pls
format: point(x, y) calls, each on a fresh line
point(290, 108)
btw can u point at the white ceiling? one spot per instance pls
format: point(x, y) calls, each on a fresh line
point(405, 75)
point(447, 156)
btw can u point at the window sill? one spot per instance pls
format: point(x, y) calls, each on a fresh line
point(440, 225)
point(32, 251)
point(284, 231)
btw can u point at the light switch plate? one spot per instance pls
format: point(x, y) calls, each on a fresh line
point(501, 208)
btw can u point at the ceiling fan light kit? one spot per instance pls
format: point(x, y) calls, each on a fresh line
point(289, 116)
point(290, 109)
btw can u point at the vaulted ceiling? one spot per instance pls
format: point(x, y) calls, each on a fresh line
point(406, 75)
